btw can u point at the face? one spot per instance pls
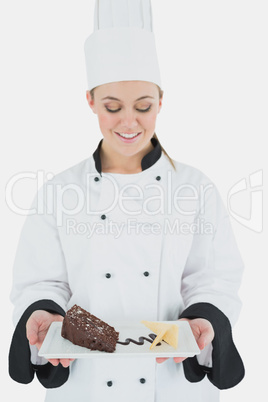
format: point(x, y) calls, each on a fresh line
point(127, 113)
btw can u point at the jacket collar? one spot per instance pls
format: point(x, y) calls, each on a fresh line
point(147, 161)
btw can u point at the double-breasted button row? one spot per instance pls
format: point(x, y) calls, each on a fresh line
point(110, 383)
point(108, 275)
point(103, 217)
point(96, 179)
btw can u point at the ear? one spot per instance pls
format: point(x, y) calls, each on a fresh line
point(160, 103)
point(90, 101)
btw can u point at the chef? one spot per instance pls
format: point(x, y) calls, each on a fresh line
point(128, 234)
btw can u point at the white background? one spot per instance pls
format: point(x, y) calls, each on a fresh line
point(213, 59)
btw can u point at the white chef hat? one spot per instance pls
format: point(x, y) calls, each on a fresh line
point(122, 46)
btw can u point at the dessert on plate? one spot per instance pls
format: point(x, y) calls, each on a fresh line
point(166, 332)
point(84, 329)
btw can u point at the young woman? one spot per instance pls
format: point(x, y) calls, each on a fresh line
point(128, 234)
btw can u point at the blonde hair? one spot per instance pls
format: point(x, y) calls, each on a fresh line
point(161, 92)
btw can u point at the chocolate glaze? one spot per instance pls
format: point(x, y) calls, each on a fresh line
point(141, 340)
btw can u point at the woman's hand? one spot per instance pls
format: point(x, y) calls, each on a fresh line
point(36, 330)
point(203, 333)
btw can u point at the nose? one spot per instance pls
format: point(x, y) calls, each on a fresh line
point(129, 119)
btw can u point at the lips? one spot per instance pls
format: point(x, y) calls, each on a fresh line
point(128, 135)
point(128, 138)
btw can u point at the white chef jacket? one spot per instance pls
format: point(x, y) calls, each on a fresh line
point(143, 246)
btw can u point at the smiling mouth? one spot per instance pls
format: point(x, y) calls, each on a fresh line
point(128, 136)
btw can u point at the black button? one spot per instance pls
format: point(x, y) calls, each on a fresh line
point(109, 383)
point(158, 178)
point(142, 380)
point(146, 273)
point(96, 179)
point(103, 217)
point(108, 276)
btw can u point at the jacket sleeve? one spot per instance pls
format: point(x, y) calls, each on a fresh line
point(227, 367)
point(40, 281)
point(21, 369)
point(210, 284)
point(39, 270)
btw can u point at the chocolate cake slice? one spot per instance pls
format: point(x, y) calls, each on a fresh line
point(84, 329)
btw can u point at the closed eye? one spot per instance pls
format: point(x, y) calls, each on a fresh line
point(111, 110)
point(117, 110)
point(144, 110)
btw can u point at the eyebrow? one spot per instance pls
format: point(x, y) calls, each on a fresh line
point(115, 99)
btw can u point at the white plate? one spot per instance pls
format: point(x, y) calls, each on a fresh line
point(55, 346)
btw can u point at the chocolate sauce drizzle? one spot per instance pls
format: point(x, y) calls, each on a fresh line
point(141, 340)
